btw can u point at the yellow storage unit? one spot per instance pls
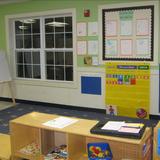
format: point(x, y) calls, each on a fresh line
point(29, 128)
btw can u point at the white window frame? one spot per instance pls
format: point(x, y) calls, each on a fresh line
point(9, 19)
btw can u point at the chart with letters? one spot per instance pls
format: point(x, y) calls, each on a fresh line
point(128, 88)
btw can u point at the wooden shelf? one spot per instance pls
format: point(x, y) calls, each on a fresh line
point(27, 156)
point(28, 128)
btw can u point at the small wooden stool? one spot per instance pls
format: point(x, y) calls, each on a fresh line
point(5, 147)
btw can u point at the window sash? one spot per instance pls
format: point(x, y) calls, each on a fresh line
point(43, 49)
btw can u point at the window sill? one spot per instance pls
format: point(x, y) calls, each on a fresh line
point(45, 83)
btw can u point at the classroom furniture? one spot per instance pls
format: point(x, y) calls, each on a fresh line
point(156, 142)
point(5, 147)
point(29, 128)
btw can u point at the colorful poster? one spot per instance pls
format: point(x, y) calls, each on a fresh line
point(128, 89)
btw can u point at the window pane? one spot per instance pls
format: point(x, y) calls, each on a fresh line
point(68, 40)
point(49, 25)
point(36, 57)
point(58, 37)
point(59, 24)
point(68, 26)
point(36, 71)
point(19, 57)
point(20, 72)
point(59, 72)
point(49, 40)
point(59, 58)
point(69, 73)
point(36, 41)
point(36, 26)
point(19, 41)
point(50, 58)
point(18, 27)
point(27, 58)
point(59, 40)
point(68, 58)
point(27, 41)
point(50, 72)
point(28, 71)
point(27, 27)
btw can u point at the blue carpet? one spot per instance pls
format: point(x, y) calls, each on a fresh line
point(21, 109)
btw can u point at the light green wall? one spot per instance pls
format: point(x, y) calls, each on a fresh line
point(44, 5)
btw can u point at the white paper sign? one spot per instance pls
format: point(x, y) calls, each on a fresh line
point(126, 28)
point(92, 47)
point(126, 47)
point(111, 47)
point(142, 46)
point(142, 27)
point(81, 47)
point(92, 28)
point(94, 61)
point(113, 125)
point(60, 122)
point(111, 28)
point(81, 29)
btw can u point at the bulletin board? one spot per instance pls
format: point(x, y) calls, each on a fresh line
point(91, 85)
point(128, 33)
point(128, 88)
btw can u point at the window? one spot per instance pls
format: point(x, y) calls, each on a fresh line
point(44, 48)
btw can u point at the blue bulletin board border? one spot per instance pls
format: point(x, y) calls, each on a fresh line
point(91, 85)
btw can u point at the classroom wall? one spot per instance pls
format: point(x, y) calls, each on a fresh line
point(70, 94)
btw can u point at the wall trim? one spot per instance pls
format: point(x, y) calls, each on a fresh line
point(151, 116)
point(54, 105)
point(154, 117)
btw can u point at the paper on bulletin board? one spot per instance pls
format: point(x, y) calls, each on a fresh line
point(111, 47)
point(111, 28)
point(92, 28)
point(92, 47)
point(81, 47)
point(81, 29)
point(142, 27)
point(126, 47)
point(142, 46)
point(126, 28)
